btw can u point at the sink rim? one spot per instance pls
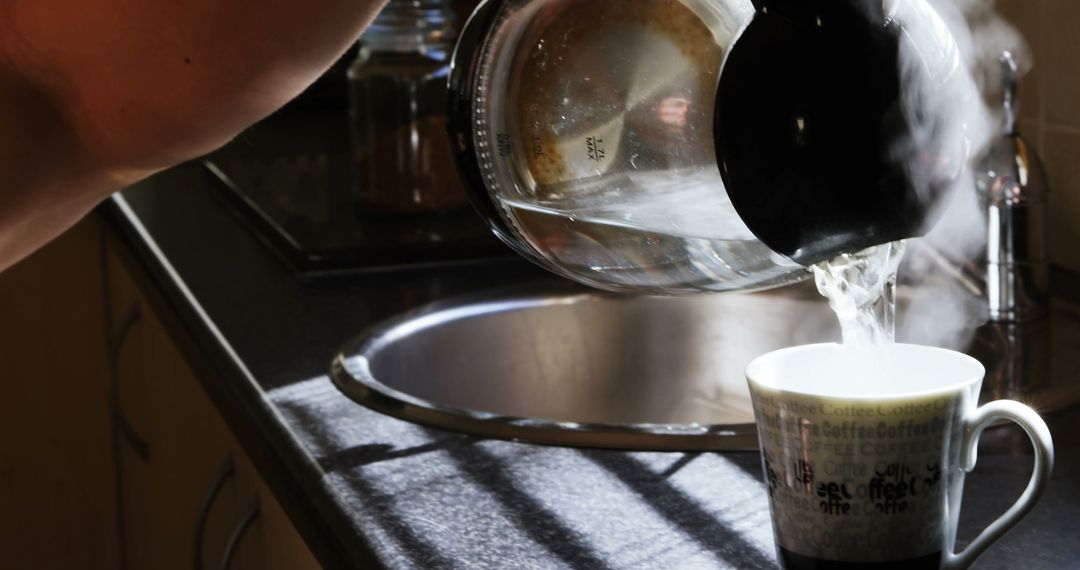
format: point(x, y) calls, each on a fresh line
point(351, 374)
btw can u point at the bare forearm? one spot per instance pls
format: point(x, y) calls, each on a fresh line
point(95, 94)
point(46, 181)
point(182, 77)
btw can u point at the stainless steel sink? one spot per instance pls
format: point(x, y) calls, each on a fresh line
point(574, 367)
point(557, 364)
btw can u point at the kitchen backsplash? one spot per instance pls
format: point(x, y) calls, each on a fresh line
point(1050, 113)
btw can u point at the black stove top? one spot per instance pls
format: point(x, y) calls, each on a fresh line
point(291, 179)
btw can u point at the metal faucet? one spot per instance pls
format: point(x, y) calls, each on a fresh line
point(1012, 185)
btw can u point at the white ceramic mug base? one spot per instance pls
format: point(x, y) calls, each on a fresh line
point(865, 457)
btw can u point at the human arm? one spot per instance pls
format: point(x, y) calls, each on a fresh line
point(96, 94)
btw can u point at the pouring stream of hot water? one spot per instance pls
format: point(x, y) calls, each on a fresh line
point(861, 289)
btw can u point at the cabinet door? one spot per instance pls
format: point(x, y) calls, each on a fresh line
point(189, 497)
point(57, 502)
point(173, 448)
point(270, 542)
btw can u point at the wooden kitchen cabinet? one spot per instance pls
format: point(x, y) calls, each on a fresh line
point(170, 442)
point(185, 487)
point(272, 543)
point(57, 502)
point(114, 456)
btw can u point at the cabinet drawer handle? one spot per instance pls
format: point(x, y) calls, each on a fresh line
point(137, 443)
point(224, 471)
point(249, 518)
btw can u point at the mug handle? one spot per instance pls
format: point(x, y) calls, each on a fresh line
point(1043, 445)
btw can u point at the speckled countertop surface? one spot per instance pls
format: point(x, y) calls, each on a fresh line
point(369, 490)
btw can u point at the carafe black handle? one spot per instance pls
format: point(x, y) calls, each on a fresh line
point(809, 9)
point(809, 122)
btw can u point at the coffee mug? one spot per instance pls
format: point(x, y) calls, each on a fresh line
point(865, 454)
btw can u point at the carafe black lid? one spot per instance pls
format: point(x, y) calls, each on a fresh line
point(809, 119)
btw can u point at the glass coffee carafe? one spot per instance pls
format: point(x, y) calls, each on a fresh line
point(683, 146)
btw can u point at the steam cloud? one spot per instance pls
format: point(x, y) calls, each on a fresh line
point(944, 309)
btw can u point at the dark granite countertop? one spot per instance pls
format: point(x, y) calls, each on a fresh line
point(368, 490)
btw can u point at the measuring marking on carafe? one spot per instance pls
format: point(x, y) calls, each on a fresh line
point(503, 140)
point(594, 147)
